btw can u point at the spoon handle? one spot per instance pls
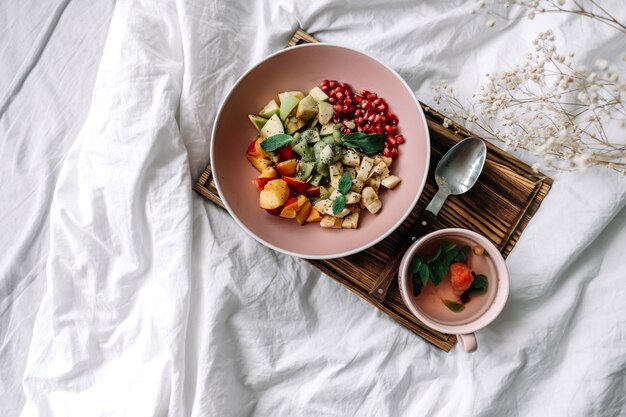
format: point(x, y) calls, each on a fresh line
point(423, 225)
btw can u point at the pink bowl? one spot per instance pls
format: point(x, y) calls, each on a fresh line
point(301, 68)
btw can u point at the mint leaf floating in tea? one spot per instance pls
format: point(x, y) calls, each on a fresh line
point(453, 305)
point(345, 182)
point(479, 286)
point(424, 274)
point(416, 265)
point(368, 143)
point(417, 286)
point(277, 141)
point(339, 204)
point(462, 255)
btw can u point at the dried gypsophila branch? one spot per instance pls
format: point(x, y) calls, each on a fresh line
point(593, 10)
point(550, 108)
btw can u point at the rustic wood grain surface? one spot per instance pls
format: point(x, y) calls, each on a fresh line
point(500, 205)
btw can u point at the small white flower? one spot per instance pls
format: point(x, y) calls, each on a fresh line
point(531, 15)
point(490, 23)
point(602, 64)
point(446, 122)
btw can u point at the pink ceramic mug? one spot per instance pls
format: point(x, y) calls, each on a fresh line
point(480, 310)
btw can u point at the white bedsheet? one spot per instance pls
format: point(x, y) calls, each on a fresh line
point(149, 301)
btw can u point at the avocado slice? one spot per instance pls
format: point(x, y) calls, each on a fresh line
point(270, 109)
point(272, 127)
point(307, 108)
point(257, 121)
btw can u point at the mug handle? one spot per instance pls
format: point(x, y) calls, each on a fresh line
point(468, 342)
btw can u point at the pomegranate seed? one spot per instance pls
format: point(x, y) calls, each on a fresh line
point(358, 112)
point(361, 120)
point(332, 84)
point(332, 92)
point(364, 93)
point(387, 152)
point(337, 108)
point(393, 153)
point(359, 128)
point(346, 86)
point(400, 139)
point(346, 131)
point(366, 104)
point(358, 99)
point(347, 101)
point(339, 94)
point(367, 128)
point(391, 140)
point(379, 129)
point(381, 107)
point(332, 100)
point(324, 82)
point(345, 109)
point(377, 101)
point(377, 119)
point(325, 88)
point(372, 96)
point(389, 129)
point(370, 117)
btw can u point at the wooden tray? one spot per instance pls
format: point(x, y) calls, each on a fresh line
point(500, 205)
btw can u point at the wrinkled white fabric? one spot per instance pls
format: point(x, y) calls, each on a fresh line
point(153, 302)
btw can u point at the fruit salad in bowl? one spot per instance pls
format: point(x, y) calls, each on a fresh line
point(315, 167)
point(321, 160)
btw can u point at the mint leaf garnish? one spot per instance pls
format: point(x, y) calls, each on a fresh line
point(277, 141)
point(368, 143)
point(345, 182)
point(339, 204)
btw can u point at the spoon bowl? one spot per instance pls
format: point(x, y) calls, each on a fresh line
point(460, 167)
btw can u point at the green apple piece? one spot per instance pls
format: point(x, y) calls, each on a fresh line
point(325, 112)
point(327, 129)
point(270, 109)
point(318, 94)
point(307, 108)
point(272, 127)
point(298, 94)
point(288, 103)
point(257, 121)
point(293, 124)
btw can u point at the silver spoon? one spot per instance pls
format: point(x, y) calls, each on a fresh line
point(456, 173)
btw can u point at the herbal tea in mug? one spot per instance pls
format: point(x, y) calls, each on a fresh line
point(452, 280)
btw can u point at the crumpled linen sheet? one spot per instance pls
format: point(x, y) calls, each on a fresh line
point(125, 293)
